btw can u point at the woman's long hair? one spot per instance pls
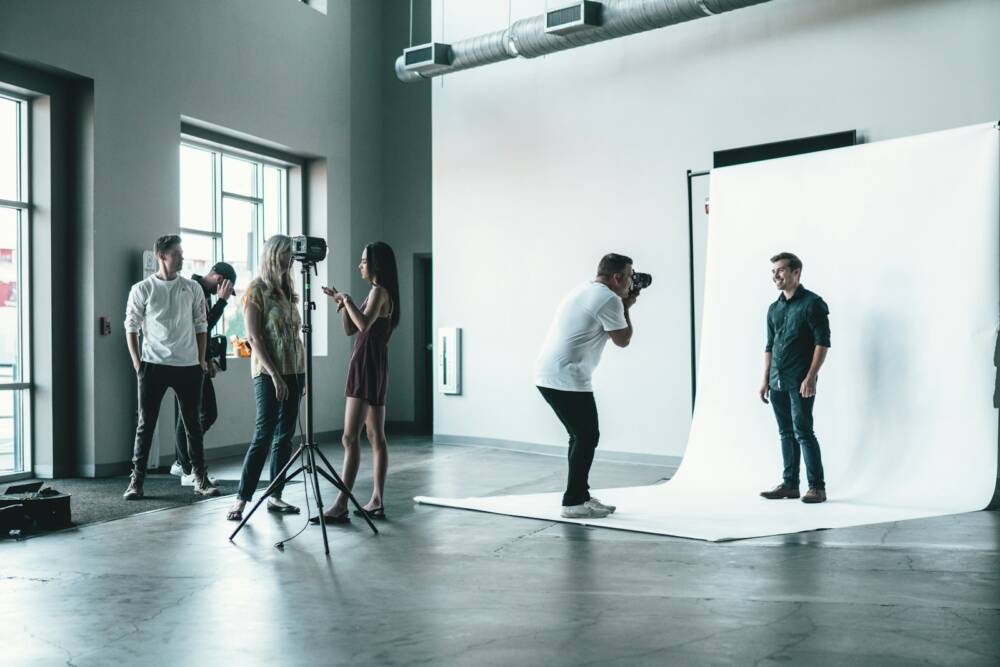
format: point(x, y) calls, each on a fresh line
point(382, 270)
point(275, 279)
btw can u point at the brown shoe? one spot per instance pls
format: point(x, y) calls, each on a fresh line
point(134, 490)
point(202, 485)
point(814, 496)
point(779, 492)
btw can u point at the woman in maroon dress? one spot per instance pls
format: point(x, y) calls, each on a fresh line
point(368, 373)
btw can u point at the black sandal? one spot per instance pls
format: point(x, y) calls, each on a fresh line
point(374, 513)
point(339, 519)
point(283, 509)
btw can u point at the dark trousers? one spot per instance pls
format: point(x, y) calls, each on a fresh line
point(274, 430)
point(207, 415)
point(795, 426)
point(578, 413)
point(154, 380)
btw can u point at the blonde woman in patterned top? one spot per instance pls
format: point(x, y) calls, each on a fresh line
point(270, 309)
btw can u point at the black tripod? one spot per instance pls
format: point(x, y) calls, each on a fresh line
point(308, 450)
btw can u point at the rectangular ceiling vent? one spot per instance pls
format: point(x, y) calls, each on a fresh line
point(427, 58)
point(584, 15)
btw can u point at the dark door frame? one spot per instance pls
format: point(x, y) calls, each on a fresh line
point(423, 335)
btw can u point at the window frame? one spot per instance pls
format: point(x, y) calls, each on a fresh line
point(239, 150)
point(23, 389)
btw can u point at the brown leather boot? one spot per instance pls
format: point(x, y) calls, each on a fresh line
point(779, 492)
point(134, 490)
point(814, 496)
point(202, 485)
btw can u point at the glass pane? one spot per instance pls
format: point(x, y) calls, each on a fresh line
point(239, 219)
point(196, 188)
point(239, 176)
point(11, 449)
point(9, 148)
point(274, 196)
point(10, 325)
point(199, 253)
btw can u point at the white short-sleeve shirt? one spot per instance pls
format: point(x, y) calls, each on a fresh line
point(577, 337)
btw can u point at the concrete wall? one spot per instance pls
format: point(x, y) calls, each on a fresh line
point(274, 69)
point(541, 166)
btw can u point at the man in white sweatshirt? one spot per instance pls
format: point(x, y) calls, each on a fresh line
point(169, 311)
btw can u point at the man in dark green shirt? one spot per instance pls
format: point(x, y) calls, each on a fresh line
point(798, 338)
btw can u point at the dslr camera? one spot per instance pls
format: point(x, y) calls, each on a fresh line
point(640, 281)
point(308, 249)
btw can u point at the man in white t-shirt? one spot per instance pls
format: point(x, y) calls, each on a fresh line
point(169, 311)
point(587, 317)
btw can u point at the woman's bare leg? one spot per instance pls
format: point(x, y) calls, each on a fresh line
point(354, 410)
point(375, 423)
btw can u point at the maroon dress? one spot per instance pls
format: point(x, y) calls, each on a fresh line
point(368, 373)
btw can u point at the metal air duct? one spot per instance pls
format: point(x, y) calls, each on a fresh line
point(527, 37)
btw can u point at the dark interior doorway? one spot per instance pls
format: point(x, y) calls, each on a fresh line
point(423, 345)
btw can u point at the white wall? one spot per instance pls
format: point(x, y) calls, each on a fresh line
point(274, 69)
point(541, 166)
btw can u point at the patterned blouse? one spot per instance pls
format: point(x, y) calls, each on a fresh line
point(282, 325)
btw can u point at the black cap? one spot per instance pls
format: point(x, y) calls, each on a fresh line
point(226, 271)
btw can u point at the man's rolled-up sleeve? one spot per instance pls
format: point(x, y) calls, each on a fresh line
point(135, 310)
point(770, 333)
point(198, 312)
point(819, 322)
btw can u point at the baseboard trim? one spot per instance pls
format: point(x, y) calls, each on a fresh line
point(405, 428)
point(119, 468)
point(240, 448)
point(555, 450)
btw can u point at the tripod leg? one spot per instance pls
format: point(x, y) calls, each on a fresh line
point(270, 489)
point(311, 458)
point(335, 479)
point(337, 484)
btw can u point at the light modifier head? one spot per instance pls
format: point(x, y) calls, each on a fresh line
point(308, 249)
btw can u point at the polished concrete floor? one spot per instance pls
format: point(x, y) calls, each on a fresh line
point(448, 587)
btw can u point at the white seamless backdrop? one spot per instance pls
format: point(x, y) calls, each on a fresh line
point(901, 239)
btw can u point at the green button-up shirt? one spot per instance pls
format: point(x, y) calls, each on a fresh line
point(794, 328)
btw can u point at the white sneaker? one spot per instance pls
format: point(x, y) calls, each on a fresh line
point(584, 511)
point(188, 480)
point(597, 504)
point(176, 470)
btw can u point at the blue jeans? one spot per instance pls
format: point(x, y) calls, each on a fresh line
point(275, 428)
point(795, 426)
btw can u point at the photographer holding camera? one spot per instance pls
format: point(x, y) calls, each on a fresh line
point(220, 281)
point(587, 317)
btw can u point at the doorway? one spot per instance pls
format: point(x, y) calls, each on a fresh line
point(423, 345)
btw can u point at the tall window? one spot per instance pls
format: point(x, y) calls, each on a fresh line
point(15, 380)
point(231, 203)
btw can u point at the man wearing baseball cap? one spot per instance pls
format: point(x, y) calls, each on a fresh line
point(220, 281)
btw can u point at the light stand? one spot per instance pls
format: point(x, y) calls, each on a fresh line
point(308, 450)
